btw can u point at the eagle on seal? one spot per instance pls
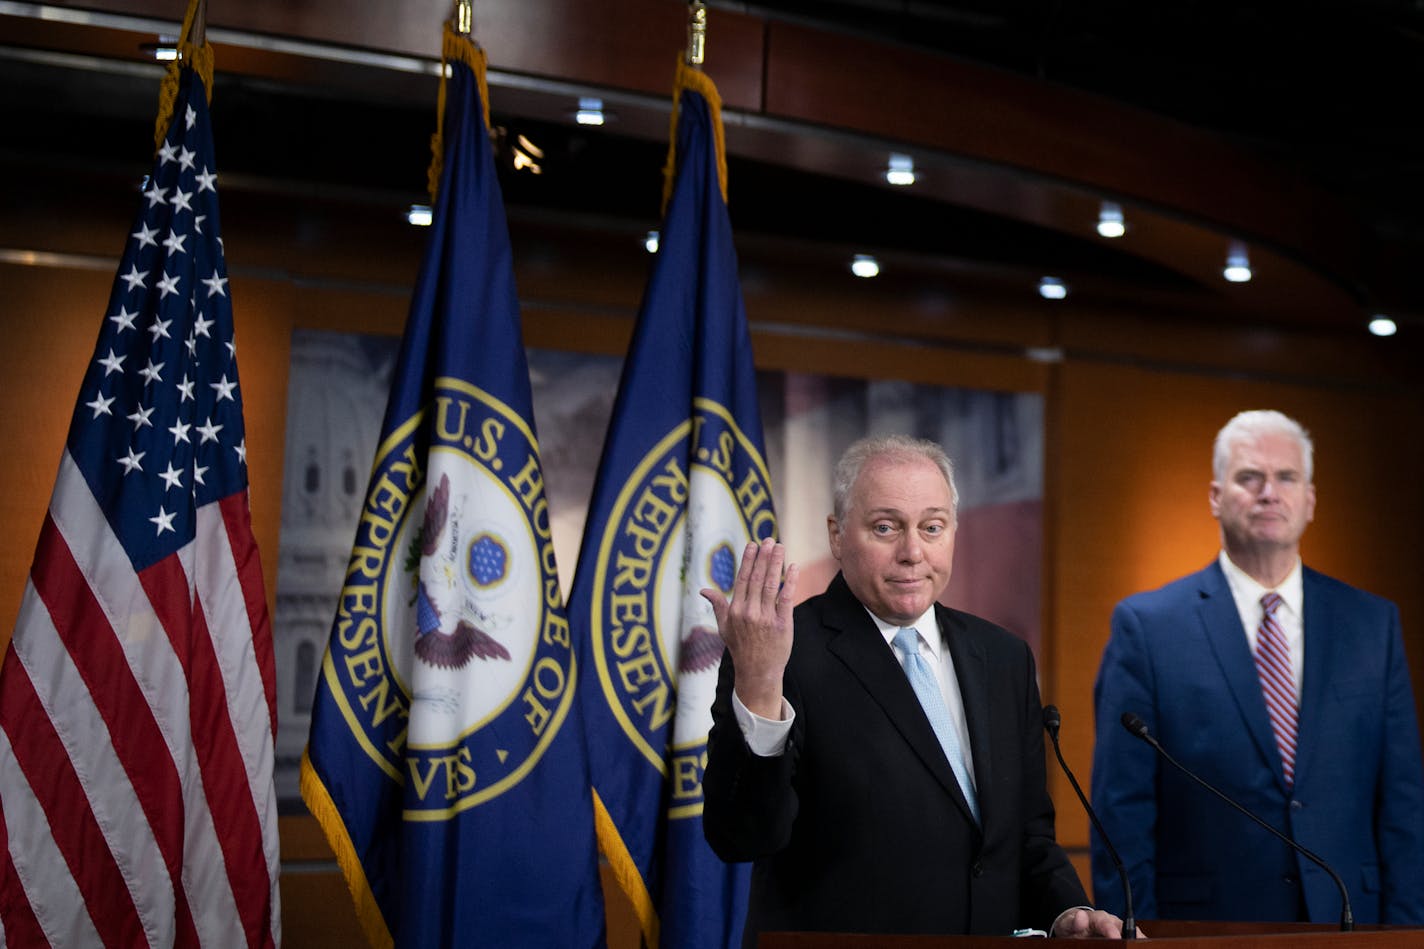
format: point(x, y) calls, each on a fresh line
point(445, 650)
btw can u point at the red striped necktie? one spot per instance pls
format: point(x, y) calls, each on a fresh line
point(1273, 665)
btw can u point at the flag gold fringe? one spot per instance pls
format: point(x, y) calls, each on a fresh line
point(198, 56)
point(323, 808)
point(697, 81)
point(625, 871)
point(454, 47)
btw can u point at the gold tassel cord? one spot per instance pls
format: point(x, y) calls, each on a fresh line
point(196, 55)
point(697, 81)
point(328, 815)
point(454, 47)
point(626, 872)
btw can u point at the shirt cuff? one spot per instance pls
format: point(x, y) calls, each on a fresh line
point(765, 737)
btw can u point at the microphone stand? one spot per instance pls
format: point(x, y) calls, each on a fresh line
point(1051, 721)
point(1138, 729)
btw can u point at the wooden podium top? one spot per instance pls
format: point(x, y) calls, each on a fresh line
point(1180, 934)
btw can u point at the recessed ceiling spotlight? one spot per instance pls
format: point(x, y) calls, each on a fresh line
point(420, 215)
point(1238, 264)
point(1382, 325)
point(864, 265)
point(1051, 288)
point(590, 111)
point(1110, 222)
point(650, 242)
point(901, 170)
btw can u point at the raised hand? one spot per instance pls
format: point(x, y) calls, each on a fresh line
point(756, 624)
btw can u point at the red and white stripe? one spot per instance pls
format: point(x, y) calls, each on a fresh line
point(1273, 666)
point(137, 718)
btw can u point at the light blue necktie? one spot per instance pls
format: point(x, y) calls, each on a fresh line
point(926, 686)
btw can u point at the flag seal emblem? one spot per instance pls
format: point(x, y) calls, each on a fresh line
point(452, 660)
point(677, 526)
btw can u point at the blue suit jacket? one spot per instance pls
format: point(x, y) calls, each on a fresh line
point(1179, 658)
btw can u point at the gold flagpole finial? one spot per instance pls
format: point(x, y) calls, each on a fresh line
point(696, 32)
point(199, 33)
point(464, 17)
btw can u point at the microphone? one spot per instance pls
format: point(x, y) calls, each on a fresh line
point(1138, 729)
point(1051, 721)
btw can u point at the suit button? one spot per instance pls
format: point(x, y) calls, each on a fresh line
point(1289, 880)
point(1296, 805)
point(977, 869)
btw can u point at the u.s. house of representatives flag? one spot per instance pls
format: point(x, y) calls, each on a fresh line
point(446, 761)
point(137, 708)
point(681, 488)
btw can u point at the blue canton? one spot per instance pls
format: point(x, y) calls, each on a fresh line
point(158, 429)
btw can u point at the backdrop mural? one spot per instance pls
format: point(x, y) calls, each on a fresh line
point(337, 395)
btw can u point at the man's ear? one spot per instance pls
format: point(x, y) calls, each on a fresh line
point(833, 535)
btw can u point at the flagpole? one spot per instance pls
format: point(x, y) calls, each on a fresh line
point(688, 386)
point(690, 76)
point(194, 54)
point(456, 44)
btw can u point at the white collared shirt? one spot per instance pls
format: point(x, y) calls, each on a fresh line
point(1290, 614)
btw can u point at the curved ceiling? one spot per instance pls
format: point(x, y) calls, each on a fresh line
point(1228, 124)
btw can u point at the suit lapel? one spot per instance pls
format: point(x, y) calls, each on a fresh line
point(971, 670)
point(1319, 658)
point(1221, 623)
point(856, 642)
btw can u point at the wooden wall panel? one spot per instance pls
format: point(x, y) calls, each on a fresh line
point(50, 327)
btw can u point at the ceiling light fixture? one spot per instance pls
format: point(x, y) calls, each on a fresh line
point(420, 215)
point(650, 242)
point(527, 155)
point(864, 265)
point(1051, 288)
point(590, 111)
point(1382, 325)
point(1238, 264)
point(165, 50)
point(1110, 222)
point(901, 170)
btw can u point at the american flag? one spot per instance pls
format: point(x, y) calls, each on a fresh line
point(137, 706)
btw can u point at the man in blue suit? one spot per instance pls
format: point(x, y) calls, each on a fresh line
point(1283, 687)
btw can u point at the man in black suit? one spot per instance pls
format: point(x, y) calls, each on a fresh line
point(824, 766)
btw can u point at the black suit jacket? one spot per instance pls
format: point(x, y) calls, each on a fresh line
point(860, 826)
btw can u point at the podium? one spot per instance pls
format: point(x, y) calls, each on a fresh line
point(1177, 934)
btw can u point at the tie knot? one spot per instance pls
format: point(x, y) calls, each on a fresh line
point(1270, 601)
point(908, 639)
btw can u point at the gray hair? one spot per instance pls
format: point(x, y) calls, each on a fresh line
point(1254, 424)
point(896, 447)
